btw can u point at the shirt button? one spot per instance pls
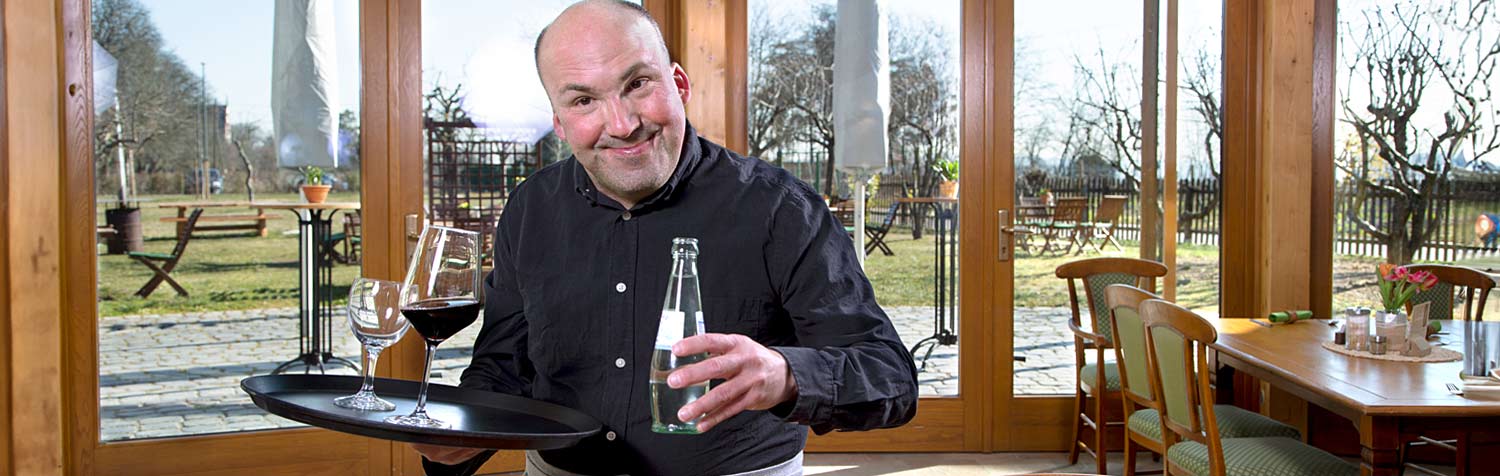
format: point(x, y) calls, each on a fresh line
point(610, 436)
point(620, 363)
point(619, 287)
point(625, 216)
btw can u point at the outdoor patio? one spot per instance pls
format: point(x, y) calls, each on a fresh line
point(178, 374)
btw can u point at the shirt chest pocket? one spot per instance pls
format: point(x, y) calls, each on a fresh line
point(755, 317)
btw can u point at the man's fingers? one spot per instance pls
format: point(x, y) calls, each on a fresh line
point(720, 367)
point(708, 403)
point(712, 343)
point(720, 414)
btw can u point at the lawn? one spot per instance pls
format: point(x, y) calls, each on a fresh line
point(220, 270)
point(240, 271)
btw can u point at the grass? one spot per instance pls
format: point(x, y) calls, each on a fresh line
point(239, 271)
point(220, 270)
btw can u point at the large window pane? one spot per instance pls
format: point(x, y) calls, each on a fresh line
point(914, 269)
point(1417, 167)
point(185, 115)
point(1077, 140)
point(1200, 138)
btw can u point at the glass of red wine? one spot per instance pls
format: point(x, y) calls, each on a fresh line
point(440, 297)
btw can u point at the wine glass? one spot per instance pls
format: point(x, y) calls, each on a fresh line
point(440, 297)
point(374, 315)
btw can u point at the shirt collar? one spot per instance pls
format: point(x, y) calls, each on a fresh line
point(687, 163)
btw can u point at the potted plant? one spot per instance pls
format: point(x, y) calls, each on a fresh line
point(1047, 198)
point(1398, 285)
point(947, 170)
point(313, 188)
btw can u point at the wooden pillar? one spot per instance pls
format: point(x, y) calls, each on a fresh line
point(1169, 156)
point(31, 339)
point(709, 40)
point(1151, 238)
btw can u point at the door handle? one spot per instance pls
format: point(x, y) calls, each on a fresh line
point(1006, 236)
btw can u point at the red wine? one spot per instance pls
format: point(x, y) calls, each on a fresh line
point(439, 319)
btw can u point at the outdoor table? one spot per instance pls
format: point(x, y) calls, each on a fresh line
point(944, 263)
point(1388, 401)
point(315, 276)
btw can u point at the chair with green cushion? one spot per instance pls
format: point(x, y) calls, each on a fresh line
point(1096, 274)
point(1179, 340)
point(1143, 426)
point(1473, 286)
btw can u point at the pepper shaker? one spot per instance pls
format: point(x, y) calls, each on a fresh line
point(1377, 344)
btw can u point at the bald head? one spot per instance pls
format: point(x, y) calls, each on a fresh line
point(614, 10)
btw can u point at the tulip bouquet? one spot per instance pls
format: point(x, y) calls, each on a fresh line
point(1398, 285)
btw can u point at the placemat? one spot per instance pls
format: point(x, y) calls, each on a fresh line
point(1439, 354)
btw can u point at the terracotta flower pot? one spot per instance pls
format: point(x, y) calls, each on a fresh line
point(316, 193)
point(948, 189)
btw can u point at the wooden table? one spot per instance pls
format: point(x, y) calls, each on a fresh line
point(1388, 401)
point(256, 222)
point(315, 277)
point(944, 263)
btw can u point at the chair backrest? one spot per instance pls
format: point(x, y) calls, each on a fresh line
point(1096, 274)
point(1110, 208)
point(1130, 342)
point(890, 216)
point(1032, 202)
point(1178, 340)
point(1452, 280)
point(1070, 209)
point(187, 232)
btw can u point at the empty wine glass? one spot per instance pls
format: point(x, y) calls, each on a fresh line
point(440, 297)
point(374, 315)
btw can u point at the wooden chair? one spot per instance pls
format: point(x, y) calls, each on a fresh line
point(1452, 280)
point(1032, 216)
point(1100, 379)
point(1103, 226)
point(163, 272)
point(1139, 379)
point(876, 233)
point(1178, 341)
point(1067, 220)
point(350, 238)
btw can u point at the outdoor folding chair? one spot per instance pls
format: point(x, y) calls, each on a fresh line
point(348, 240)
point(163, 272)
point(1103, 226)
point(1067, 219)
point(876, 233)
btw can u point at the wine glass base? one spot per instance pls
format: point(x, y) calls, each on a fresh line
point(417, 420)
point(364, 402)
point(683, 429)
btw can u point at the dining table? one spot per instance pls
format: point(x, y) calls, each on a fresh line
point(315, 277)
point(1389, 402)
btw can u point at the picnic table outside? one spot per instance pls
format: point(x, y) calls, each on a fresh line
point(245, 221)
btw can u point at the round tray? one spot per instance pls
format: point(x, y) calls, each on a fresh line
point(479, 419)
point(1439, 354)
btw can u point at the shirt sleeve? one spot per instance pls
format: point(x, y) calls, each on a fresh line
point(851, 369)
point(500, 363)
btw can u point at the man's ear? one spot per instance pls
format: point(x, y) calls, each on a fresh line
point(680, 78)
point(558, 129)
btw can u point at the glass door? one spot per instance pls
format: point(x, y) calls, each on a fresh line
point(215, 262)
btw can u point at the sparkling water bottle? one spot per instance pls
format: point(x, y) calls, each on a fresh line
point(681, 317)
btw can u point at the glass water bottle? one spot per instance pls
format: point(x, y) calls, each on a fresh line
point(681, 317)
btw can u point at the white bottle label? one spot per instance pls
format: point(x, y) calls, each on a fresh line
point(701, 330)
point(670, 330)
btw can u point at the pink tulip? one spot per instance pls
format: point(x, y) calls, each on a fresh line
point(1418, 277)
point(1432, 280)
point(1400, 273)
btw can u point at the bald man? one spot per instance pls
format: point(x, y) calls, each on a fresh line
point(581, 265)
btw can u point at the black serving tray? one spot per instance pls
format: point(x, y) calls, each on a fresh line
point(478, 419)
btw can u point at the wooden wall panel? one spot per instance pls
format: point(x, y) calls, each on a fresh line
point(1286, 161)
point(1240, 257)
point(35, 332)
point(5, 348)
point(1325, 59)
point(709, 40)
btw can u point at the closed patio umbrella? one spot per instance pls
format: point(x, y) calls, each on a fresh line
point(304, 84)
point(861, 98)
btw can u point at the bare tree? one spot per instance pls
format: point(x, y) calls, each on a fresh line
point(769, 105)
point(1403, 55)
point(1202, 84)
point(1109, 104)
point(924, 106)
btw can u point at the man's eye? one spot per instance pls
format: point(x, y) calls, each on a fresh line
point(583, 101)
point(637, 84)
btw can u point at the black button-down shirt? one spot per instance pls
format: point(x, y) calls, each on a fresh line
point(572, 306)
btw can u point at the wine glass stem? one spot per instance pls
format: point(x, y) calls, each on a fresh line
point(372, 355)
point(426, 375)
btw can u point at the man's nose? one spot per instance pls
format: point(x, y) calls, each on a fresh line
point(621, 119)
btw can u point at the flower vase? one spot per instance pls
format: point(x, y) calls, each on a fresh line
point(1391, 325)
